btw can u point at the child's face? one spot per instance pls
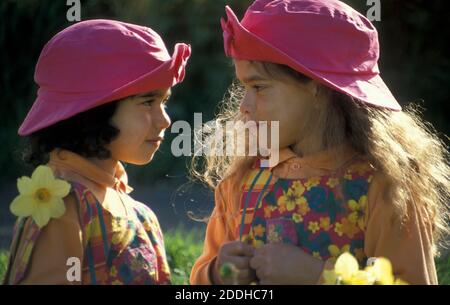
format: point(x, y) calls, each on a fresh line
point(141, 120)
point(287, 101)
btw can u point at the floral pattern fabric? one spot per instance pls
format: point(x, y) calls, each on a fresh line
point(324, 215)
point(118, 250)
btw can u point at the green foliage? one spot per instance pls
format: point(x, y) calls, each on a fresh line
point(443, 270)
point(183, 248)
point(3, 263)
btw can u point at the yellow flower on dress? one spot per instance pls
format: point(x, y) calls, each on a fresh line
point(335, 251)
point(325, 223)
point(357, 216)
point(349, 228)
point(40, 196)
point(298, 188)
point(303, 207)
point(332, 182)
point(289, 199)
point(312, 182)
point(316, 255)
point(297, 217)
point(259, 230)
point(281, 206)
point(313, 226)
point(338, 229)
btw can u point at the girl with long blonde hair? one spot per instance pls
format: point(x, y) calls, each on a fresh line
point(355, 173)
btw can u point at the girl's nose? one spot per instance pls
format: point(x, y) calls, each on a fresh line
point(246, 105)
point(163, 121)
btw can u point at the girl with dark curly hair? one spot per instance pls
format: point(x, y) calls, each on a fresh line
point(103, 87)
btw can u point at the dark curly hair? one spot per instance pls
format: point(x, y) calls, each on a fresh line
point(86, 134)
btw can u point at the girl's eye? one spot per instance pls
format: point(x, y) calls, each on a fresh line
point(148, 103)
point(258, 88)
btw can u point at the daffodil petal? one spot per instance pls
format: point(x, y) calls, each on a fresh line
point(383, 271)
point(346, 265)
point(25, 185)
point(22, 206)
point(59, 188)
point(43, 176)
point(361, 277)
point(57, 208)
point(41, 216)
point(330, 277)
point(400, 282)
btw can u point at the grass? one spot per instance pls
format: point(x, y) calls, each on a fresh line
point(443, 270)
point(182, 250)
point(3, 263)
point(183, 247)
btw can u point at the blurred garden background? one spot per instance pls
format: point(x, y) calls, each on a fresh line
point(414, 63)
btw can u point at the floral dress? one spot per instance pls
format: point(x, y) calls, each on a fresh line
point(323, 215)
point(118, 250)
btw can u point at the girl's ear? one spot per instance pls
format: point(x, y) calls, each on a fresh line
point(320, 93)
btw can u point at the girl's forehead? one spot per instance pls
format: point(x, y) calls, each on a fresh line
point(248, 71)
point(155, 94)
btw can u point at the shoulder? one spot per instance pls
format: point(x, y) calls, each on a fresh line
point(245, 174)
point(144, 211)
point(359, 167)
point(85, 200)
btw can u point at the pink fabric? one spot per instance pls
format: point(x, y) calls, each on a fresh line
point(97, 61)
point(326, 40)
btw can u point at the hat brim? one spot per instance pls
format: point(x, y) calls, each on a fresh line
point(367, 88)
point(47, 108)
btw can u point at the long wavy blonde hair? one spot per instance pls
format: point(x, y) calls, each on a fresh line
point(401, 145)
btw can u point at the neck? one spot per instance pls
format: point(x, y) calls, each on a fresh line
point(307, 146)
point(108, 165)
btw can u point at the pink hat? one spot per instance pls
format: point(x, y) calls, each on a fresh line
point(326, 40)
point(97, 61)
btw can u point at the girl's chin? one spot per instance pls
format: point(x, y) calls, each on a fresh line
point(142, 160)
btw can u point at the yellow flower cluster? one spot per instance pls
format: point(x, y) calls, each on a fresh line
point(346, 272)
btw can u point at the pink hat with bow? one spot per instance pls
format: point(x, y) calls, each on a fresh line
point(98, 61)
point(326, 40)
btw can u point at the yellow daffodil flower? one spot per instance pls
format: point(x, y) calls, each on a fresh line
point(40, 196)
point(346, 272)
point(383, 273)
point(346, 266)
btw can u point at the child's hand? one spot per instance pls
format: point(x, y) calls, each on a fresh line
point(285, 264)
point(237, 254)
